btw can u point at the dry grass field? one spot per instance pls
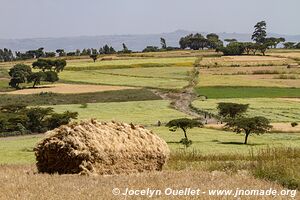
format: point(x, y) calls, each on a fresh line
point(20, 182)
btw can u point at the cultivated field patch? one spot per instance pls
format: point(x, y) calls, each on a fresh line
point(276, 110)
point(67, 89)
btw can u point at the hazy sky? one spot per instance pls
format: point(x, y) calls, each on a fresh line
point(55, 18)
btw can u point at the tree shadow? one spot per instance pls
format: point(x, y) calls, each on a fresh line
point(240, 143)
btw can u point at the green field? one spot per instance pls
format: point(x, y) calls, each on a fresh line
point(97, 77)
point(18, 150)
point(139, 112)
point(88, 64)
point(80, 98)
point(276, 110)
point(247, 92)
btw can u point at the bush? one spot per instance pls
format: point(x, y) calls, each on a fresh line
point(294, 124)
point(19, 120)
point(234, 48)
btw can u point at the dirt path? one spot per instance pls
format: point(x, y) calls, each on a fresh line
point(183, 99)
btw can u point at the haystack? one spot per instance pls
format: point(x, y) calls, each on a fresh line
point(100, 148)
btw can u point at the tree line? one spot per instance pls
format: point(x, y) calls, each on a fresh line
point(192, 41)
point(21, 120)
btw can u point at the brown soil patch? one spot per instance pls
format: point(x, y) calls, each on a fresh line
point(285, 127)
point(252, 58)
point(67, 89)
point(290, 99)
point(277, 127)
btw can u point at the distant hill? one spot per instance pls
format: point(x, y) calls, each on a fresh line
point(134, 42)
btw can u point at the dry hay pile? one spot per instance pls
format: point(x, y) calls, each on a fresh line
point(100, 148)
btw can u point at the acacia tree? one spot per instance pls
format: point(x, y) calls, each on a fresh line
point(231, 110)
point(183, 124)
point(94, 57)
point(49, 71)
point(19, 74)
point(254, 125)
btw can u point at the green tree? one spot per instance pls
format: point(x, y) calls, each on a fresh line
point(125, 49)
point(163, 43)
point(230, 40)
point(184, 124)
point(213, 41)
point(19, 74)
point(234, 48)
point(36, 78)
point(259, 35)
point(289, 45)
point(58, 119)
point(231, 110)
point(61, 52)
point(254, 125)
point(94, 57)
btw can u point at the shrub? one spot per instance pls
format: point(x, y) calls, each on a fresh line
point(294, 124)
point(234, 48)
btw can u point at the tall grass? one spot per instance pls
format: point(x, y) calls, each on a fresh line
point(278, 164)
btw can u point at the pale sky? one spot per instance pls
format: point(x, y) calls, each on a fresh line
point(57, 18)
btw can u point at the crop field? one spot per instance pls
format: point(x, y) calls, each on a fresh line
point(88, 64)
point(277, 110)
point(97, 77)
point(141, 112)
point(245, 61)
point(220, 92)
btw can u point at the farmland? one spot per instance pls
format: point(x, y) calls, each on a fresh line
point(128, 88)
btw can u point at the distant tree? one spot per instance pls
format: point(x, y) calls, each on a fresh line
point(184, 124)
point(49, 54)
point(231, 110)
point(58, 119)
point(88, 52)
point(230, 40)
point(125, 49)
point(259, 35)
point(60, 52)
point(71, 54)
point(248, 47)
point(163, 43)
point(51, 76)
point(273, 42)
point(107, 50)
point(297, 46)
point(213, 41)
point(233, 48)
point(185, 42)
point(257, 125)
point(6, 55)
point(49, 71)
point(289, 45)
point(112, 50)
point(19, 74)
point(57, 65)
point(36, 118)
point(94, 57)
point(36, 78)
point(198, 42)
point(151, 49)
point(77, 52)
